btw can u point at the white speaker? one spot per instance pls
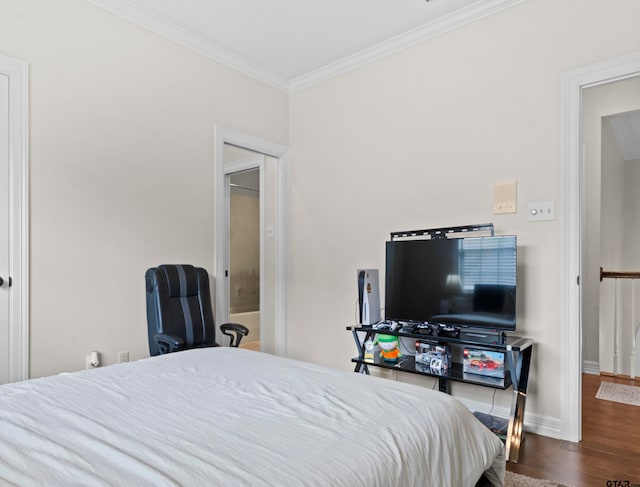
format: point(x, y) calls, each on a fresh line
point(368, 296)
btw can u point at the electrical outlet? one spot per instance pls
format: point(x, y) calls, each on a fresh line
point(123, 357)
point(93, 360)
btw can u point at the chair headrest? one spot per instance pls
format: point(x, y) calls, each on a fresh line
point(182, 279)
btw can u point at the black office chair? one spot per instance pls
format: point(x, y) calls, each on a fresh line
point(179, 312)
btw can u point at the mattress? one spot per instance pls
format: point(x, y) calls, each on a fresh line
point(228, 416)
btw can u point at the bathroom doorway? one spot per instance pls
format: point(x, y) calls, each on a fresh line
point(244, 253)
point(237, 152)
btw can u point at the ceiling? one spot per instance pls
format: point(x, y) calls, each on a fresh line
point(291, 44)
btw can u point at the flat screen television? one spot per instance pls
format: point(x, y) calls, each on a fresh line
point(469, 281)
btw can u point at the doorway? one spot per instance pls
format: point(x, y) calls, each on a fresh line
point(611, 148)
point(246, 251)
point(574, 82)
point(271, 161)
point(14, 224)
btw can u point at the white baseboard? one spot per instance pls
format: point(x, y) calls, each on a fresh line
point(592, 368)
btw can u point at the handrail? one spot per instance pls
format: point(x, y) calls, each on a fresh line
point(619, 274)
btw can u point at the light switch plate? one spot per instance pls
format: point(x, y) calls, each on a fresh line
point(504, 197)
point(271, 231)
point(542, 211)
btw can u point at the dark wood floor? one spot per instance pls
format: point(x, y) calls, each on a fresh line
point(609, 450)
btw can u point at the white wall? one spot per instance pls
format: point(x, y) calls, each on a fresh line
point(612, 221)
point(631, 210)
point(599, 150)
point(122, 169)
point(417, 140)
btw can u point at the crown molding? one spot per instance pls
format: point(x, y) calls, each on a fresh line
point(440, 26)
point(146, 19)
point(191, 41)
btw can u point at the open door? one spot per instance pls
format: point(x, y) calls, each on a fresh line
point(250, 241)
point(244, 252)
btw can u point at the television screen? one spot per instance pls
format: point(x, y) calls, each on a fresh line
point(468, 281)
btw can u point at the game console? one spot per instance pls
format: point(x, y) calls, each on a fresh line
point(368, 297)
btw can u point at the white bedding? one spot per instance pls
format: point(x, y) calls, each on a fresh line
point(232, 417)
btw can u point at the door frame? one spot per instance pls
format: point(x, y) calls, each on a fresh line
point(574, 81)
point(224, 136)
point(18, 73)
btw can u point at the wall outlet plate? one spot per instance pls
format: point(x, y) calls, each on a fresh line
point(271, 231)
point(542, 211)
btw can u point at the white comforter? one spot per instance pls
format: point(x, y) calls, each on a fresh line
point(232, 417)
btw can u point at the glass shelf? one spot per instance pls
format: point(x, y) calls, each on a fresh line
point(484, 339)
point(407, 363)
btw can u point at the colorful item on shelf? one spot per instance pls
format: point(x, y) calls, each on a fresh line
point(389, 350)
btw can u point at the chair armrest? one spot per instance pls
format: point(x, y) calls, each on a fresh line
point(238, 329)
point(168, 343)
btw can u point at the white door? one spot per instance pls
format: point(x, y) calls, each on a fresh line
point(4, 230)
point(14, 220)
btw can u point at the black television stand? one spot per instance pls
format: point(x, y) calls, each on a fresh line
point(517, 354)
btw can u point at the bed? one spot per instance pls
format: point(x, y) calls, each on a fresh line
point(227, 416)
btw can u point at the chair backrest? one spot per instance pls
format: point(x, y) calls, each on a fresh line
point(179, 304)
